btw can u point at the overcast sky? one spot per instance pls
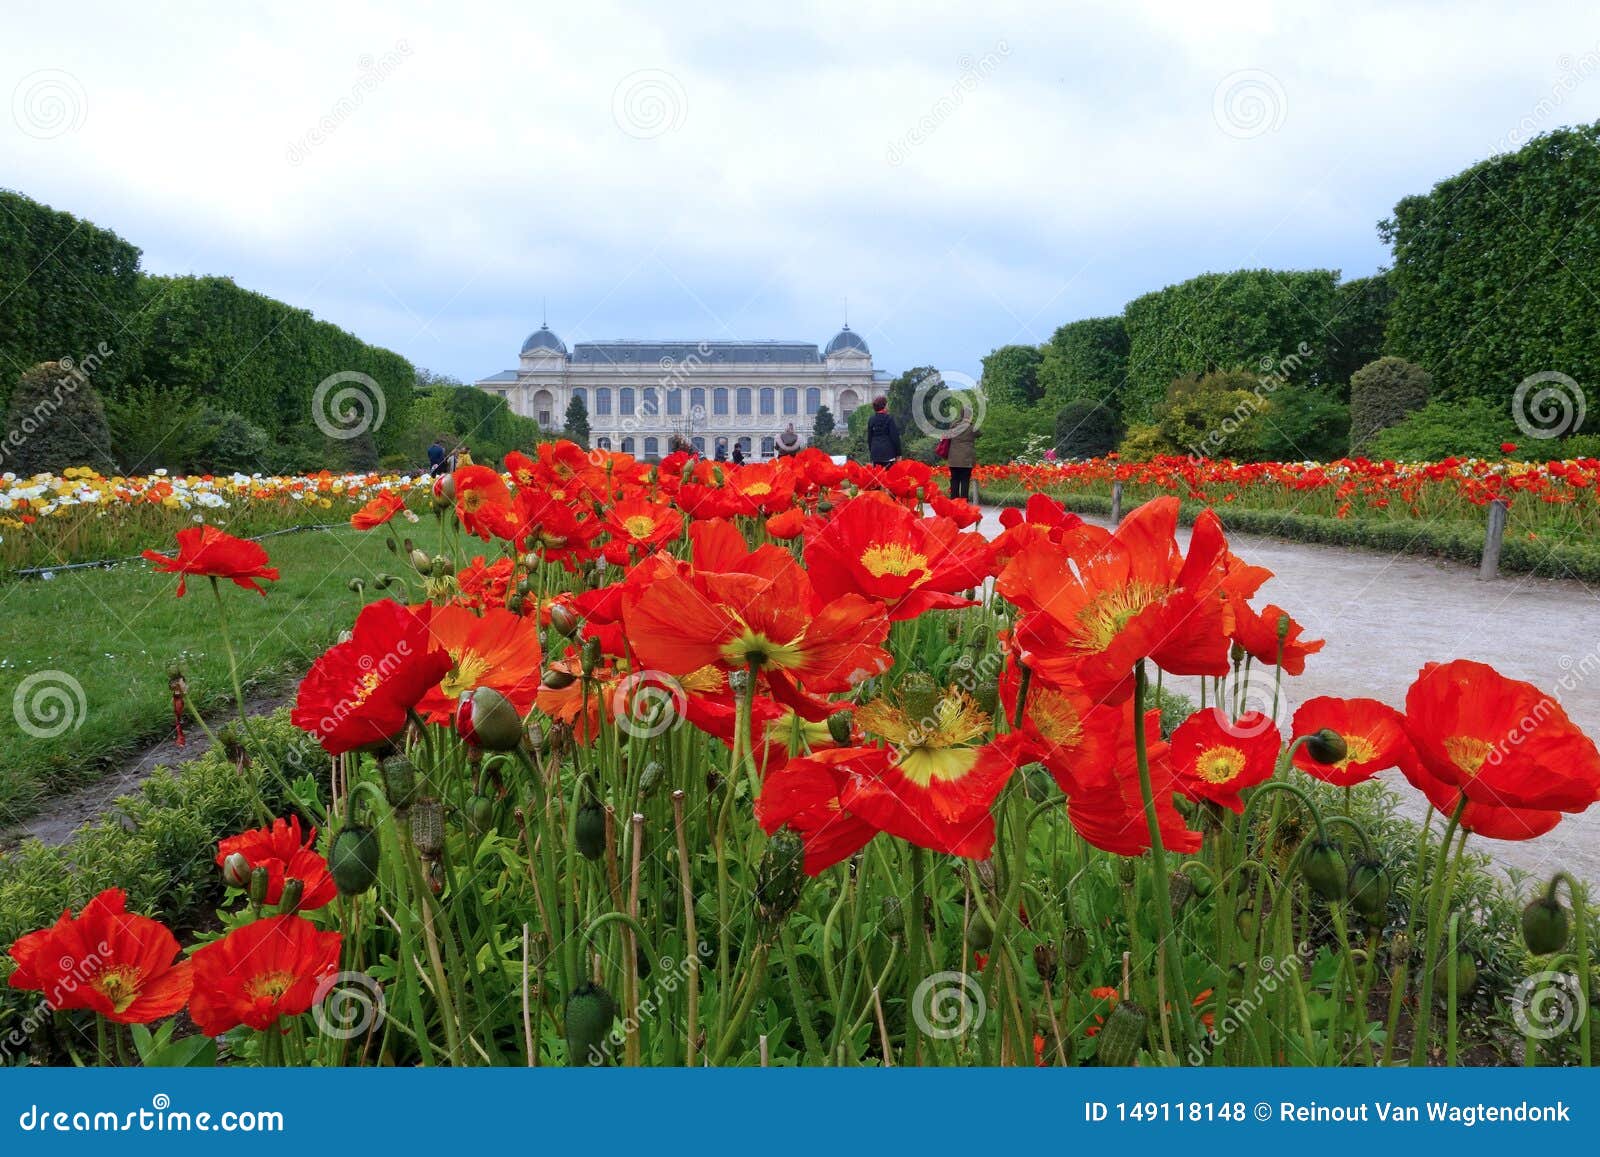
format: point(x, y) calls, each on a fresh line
point(967, 175)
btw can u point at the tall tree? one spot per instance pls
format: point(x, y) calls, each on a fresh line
point(577, 421)
point(1011, 375)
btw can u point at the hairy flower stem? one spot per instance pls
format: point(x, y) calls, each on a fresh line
point(1438, 899)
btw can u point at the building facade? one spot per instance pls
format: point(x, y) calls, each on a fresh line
point(714, 394)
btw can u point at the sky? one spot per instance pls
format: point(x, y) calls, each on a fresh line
point(435, 177)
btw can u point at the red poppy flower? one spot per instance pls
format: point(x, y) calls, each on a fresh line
point(119, 964)
point(1215, 757)
point(1042, 517)
point(260, 973)
point(358, 693)
point(1484, 819)
point(1374, 735)
point(639, 526)
point(1258, 635)
point(787, 525)
point(874, 547)
point(483, 502)
point(282, 851)
point(1501, 742)
point(1124, 597)
point(378, 511)
point(495, 649)
point(207, 551)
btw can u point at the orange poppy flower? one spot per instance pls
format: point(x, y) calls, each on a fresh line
point(1258, 635)
point(207, 551)
point(483, 502)
point(378, 511)
point(285, 855)
point(495, 649)
point(787, 525)
point(107, 959)
point(638, 525)
point(1374, 735)
point(1501, 742)
point(1484, 819)
point(1215, 757)
point(260, 973)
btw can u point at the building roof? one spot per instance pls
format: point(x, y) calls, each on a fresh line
point(667, 354)
point(847, 339)
point(543, 339)
point(502, 376)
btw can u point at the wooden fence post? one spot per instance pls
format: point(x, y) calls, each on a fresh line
point(1116, 503)
point(1490, 566)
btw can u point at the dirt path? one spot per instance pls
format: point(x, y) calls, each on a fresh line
point(65, 814)
point(1385, 616)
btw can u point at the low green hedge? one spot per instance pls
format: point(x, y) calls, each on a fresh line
point(1456, 541)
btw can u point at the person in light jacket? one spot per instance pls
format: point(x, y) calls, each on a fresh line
point(789, 441)
point(883, 436)
point(963, 454)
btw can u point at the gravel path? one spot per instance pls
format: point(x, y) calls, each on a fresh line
point(1385, 616)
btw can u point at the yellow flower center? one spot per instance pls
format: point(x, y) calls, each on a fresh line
point(894, 558)
point(1467, 752)
point(1113, 609)
point(118, 985)
point(1358, 749)
point(1219, 764)
point(370, 682)
point(1055, 717)
point(269, 985)
point(639, 526)
point(470, 668)
point(757, 489)
point(754, 648)
point(942, 746)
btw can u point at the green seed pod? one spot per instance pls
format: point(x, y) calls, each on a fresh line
point(590, 1013)
point(979, 932)
point(1179, 888)
point(427, 827)
point(1074, 946)
point(353, 860)
point(260, 882)
point(1466, 972)
point(1037, 783)
point(781, 875)
point(1370, 888)
point(1326, 746)
point(840, 726)
point(590, 830)
point(555, 679)
point(986, 692)
point(1323, 868)
point(1244, 920)
point(920, 695)
point(293, 892)
point(1545, 926)
point(1123, 1035)
point(399, 781)
point(651, 779)
point(480, 814)
point(1127, 871)
point(894, 917)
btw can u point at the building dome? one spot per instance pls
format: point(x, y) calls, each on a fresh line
point(543, 339)
point(845, 340)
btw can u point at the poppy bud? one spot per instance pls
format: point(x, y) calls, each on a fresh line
point(1127, 871)
point(1044, 962)
point(781, 875)
point(1179, 888)
point(555, 679)
point(353, 860)
point(1283, 627)
point(1122, 1035)
point(1326, 746)
point(421, 563)
point(952, 631)
point(1323, 868)
point(1245, 922)
point(590, 1013)
point(236, 871)
point(1465, 968)
point(427, 827)
point(1370, 888)
point(986, 693)
point(651, 778)
point(293, 892)
point(564, 619)
point(840, 726)
point(589, 830)
point(356, 585)
point(485, 718)
point(1545, 926)
point(894, 917)
point(441, 566)
point(514, 602)
point(399, 781)
point(590, 655)
point(1236, 653)
point(1074, 946)
point(980, 934)
point(260, 882)
point(1037, 782)
point(480, 814)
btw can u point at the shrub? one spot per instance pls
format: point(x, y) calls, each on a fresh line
point(1086, 428)
point(234, 442)
point(152, 428)
point(1472, 428)
point(1381, 394)
point(1305, 423)
point(1011, 374)
point(1219, 415)
point(1008, 430)
point(56, 420)
point(1084, 359)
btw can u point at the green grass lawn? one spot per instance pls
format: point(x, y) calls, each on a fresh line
point(116, 632)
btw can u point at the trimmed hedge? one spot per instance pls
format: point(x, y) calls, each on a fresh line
point(1084, 359)
point(1382, 393)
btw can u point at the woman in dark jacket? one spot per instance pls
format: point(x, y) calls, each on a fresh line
point(883, 436)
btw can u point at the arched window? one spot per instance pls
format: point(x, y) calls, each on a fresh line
point(674, 403)
point(602, 402)
point(697, 404)
point(769, 401)
point(769, 447)
point(627, 445)
point(743, 401)
point(791, 402)
point(700, 445)
point(848, 401)
point(649, 402)
point(652, 448)
point(603, 442)
point(744, 445)
point(625, 401)
point(719, 402)
point(544, 404)
point(813, 400)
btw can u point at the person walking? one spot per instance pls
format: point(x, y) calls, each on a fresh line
point(436, 457)
point(963, 454)
point(738, 452)
point(883, 436)
point(788, 442)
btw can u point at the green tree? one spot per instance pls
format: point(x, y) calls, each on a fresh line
point(822, 426)
point(576, 424)
point(1085, 359)
point(56, 420)
point(902, 394)
point(1469, 427)
point(154, 428)
point(1358, 328)
point(1305, 423)
point(1215, 415)
point(1011, 375)
point(1086, 428)
point(1382, 393)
